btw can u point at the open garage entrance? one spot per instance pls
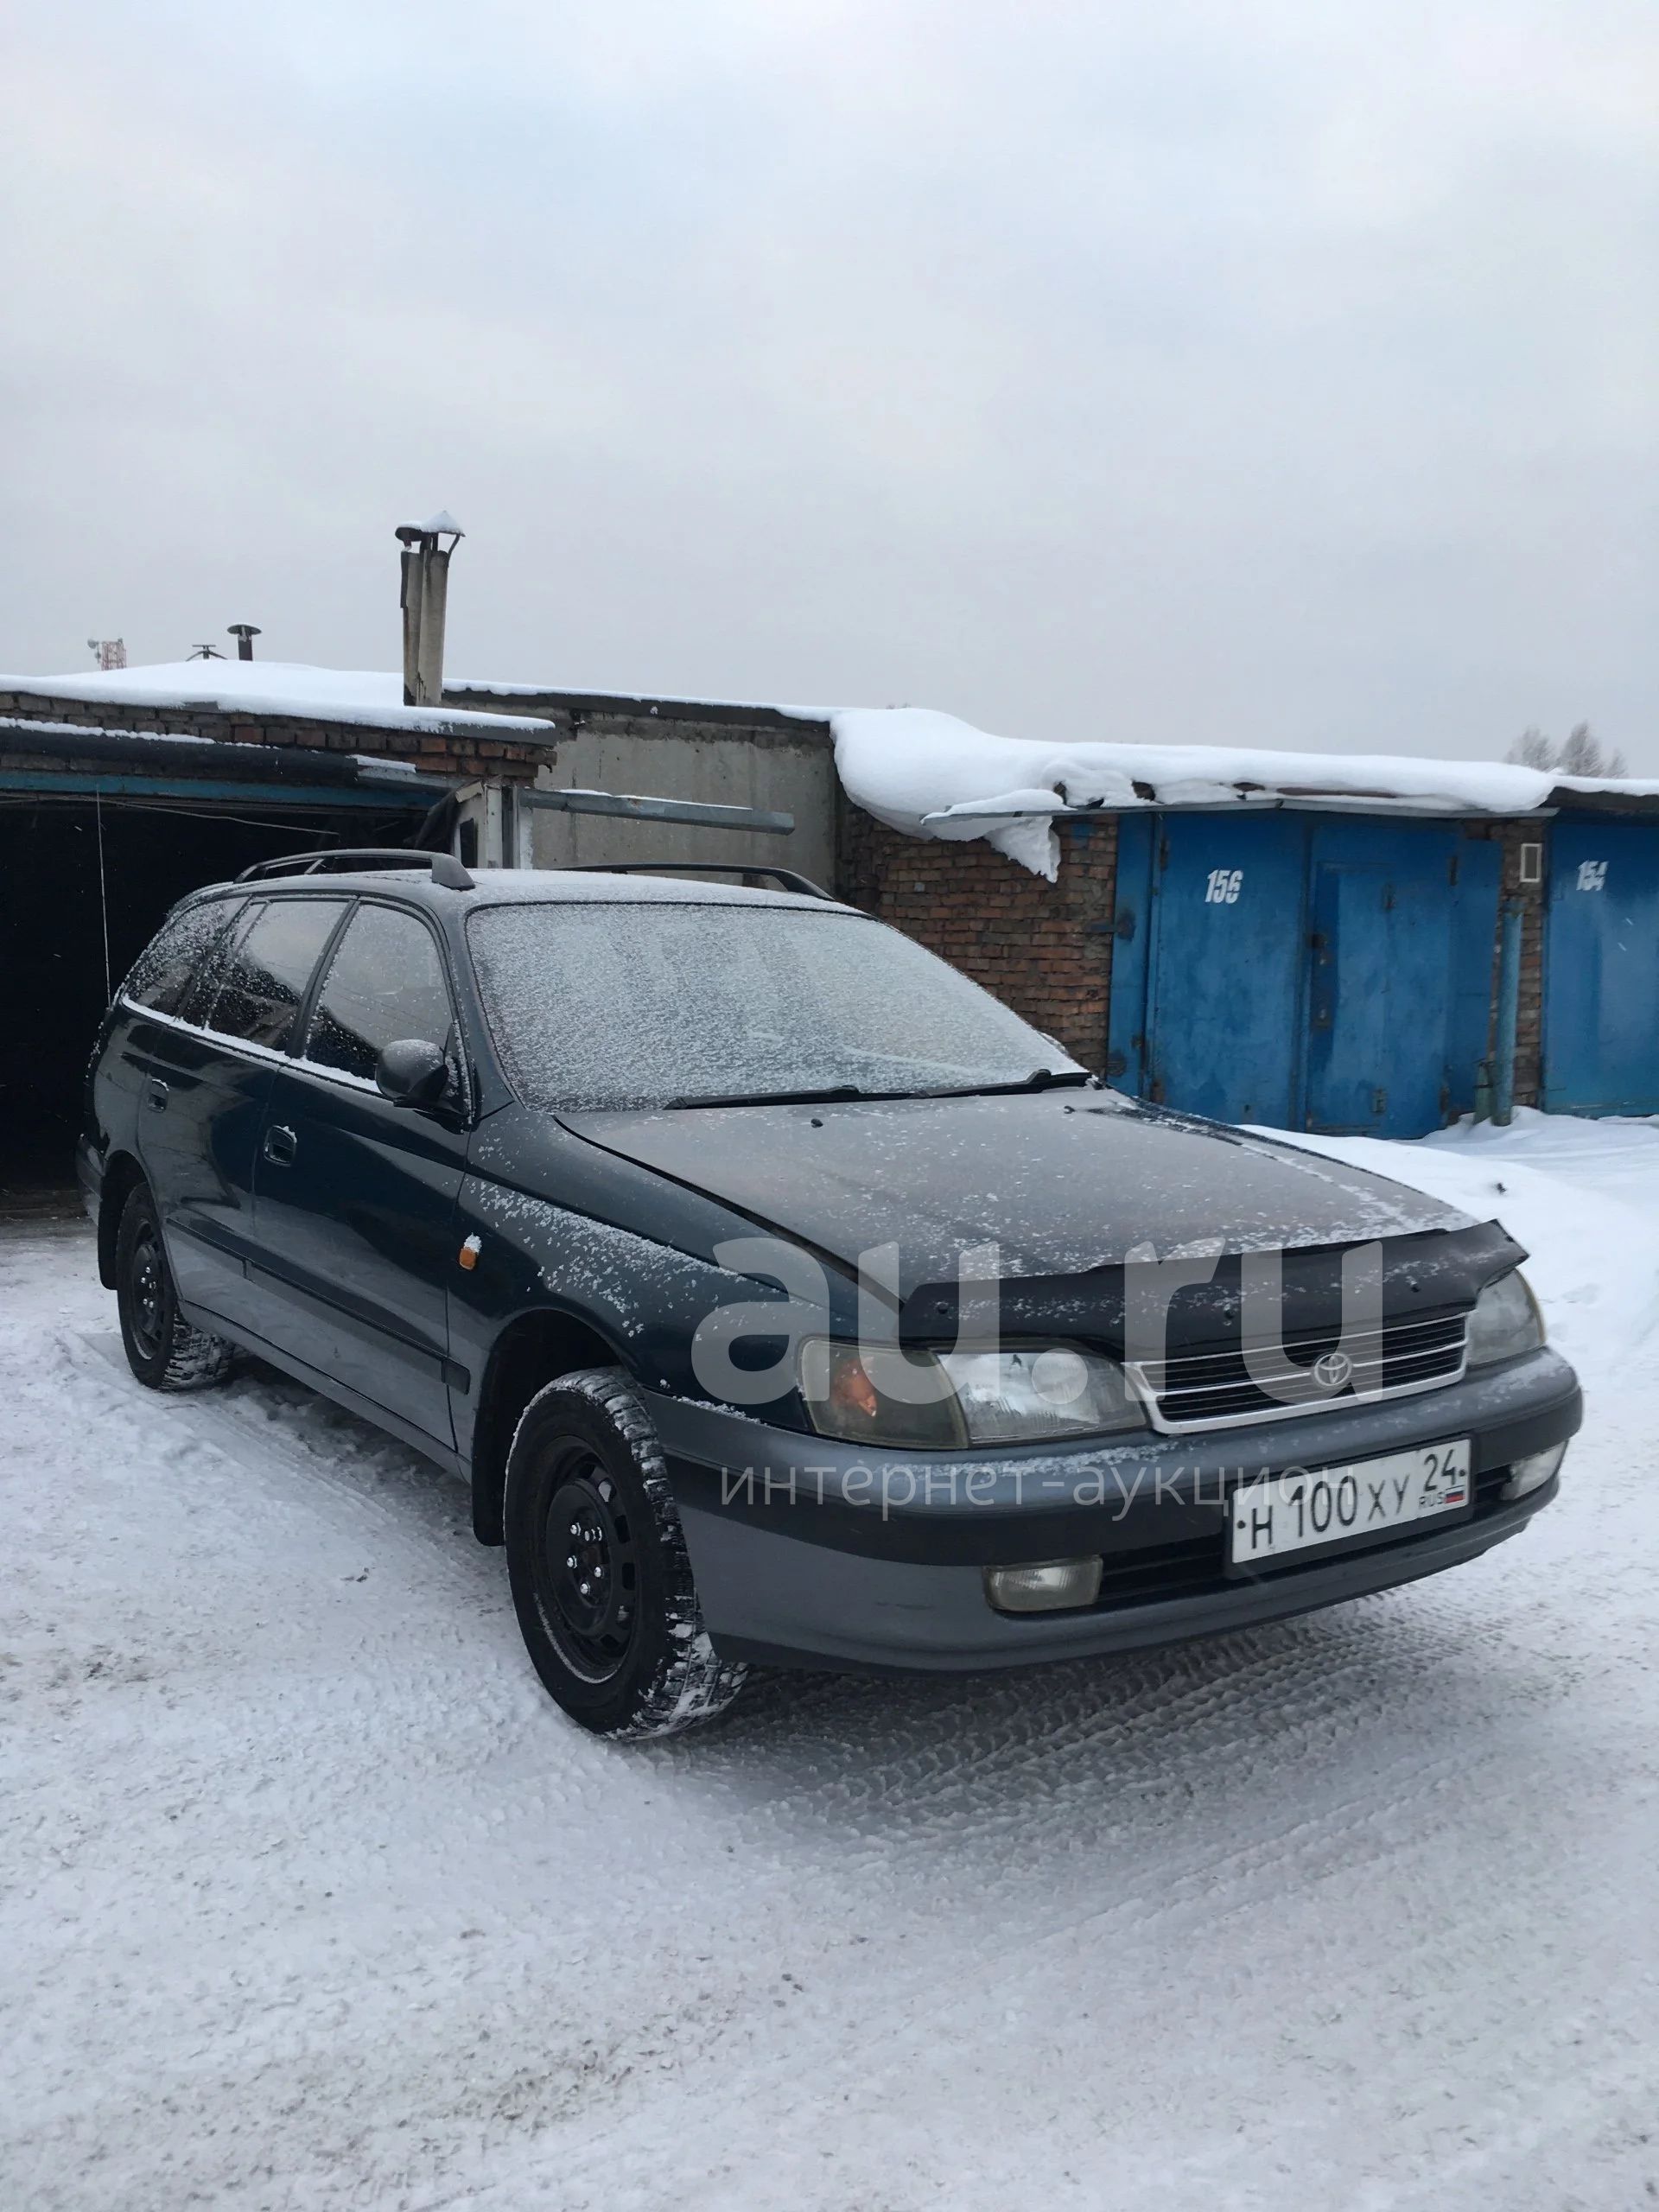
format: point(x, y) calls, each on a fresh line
point(84, 884)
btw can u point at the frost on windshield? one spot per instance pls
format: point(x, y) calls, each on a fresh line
point(596, 1006)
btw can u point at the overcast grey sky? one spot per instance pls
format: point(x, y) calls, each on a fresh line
point(1287, 373)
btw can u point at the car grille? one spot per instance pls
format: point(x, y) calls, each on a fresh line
point(1216, 1389)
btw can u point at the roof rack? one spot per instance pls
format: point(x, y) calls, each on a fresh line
point(446, 870)
point(803, 886)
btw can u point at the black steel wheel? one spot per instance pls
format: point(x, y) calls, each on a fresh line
point(146, 1284)
point(601, 1579)
point(163, 1350)
point(588, 1566)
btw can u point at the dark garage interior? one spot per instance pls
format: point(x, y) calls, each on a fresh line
point(73, 872)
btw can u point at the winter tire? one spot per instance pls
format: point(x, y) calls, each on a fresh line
point(597, 1558)
point(162, 1350)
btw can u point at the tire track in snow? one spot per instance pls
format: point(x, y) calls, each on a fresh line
point(1180, 1846)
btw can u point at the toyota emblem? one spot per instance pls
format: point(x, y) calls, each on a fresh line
point(1333, 1371)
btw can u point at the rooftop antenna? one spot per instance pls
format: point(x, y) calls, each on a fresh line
point(424, 601)
point(245, 633)
point(204, 652)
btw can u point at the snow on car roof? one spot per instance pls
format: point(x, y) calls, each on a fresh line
point(537, 887)
point(500, 886)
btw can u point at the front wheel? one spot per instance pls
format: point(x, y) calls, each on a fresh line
point(162, 1350)
point(601, 1580)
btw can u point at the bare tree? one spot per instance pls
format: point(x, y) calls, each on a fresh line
point(1532, 749)
point(1579, 754)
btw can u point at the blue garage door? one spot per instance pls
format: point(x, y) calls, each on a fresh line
point(1224, 976)
point(1308, 972)
point(1601, 970)
point(1388, 1043)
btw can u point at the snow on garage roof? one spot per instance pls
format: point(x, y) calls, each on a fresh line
point(925, 773)
point(931, 775)
point(372, 696)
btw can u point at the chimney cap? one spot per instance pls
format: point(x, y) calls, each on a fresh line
point(442, 525)
point(242, 630)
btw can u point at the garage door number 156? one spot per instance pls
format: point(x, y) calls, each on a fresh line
point(1222, 886)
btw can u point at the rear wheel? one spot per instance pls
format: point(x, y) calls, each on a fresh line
point(162, 1350)
point(597, 1558)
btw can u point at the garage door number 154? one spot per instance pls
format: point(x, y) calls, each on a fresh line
point(1222, 886)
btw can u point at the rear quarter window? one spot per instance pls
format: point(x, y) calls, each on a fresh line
point(268, 970)
point(182, 951)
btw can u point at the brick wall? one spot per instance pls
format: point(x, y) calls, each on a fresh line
point(457, 749)
point(1530, 1026)
point(1045, 949)
point(1509, 836)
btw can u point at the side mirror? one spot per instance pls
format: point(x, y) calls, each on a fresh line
point(411, 1072)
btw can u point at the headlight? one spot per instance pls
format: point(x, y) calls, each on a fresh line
point(1506, 1321)
point(931, 1402)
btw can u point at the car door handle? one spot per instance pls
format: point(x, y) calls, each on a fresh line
point(281, 1145)
point(155, 1095)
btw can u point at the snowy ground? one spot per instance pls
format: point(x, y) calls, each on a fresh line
point(313, 1899)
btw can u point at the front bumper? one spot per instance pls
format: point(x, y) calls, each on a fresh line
point(807, 1553)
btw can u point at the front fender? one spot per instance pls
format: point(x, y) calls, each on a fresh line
point(640, 1300)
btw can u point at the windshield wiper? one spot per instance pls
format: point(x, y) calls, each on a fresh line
point(1039, 1079)
point(827, 1096)
point(832, 1094)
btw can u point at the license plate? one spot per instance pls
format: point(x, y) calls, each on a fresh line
point(1330, 1506)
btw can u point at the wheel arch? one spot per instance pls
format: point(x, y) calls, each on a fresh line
point(534, 1349)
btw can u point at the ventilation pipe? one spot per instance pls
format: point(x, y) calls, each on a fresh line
point(1508, 1011)
point(425, 595)
point(245, 633)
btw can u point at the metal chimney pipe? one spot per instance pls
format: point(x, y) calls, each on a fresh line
point(435, 606)
point(245, 633)
point(424, 599)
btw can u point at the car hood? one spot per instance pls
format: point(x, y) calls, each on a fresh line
point(1062, 1183)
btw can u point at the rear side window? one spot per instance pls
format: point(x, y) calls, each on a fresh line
point(385, 980)
point(178, 954)
point(266, 973)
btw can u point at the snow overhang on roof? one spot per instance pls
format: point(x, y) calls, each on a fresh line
point(930, 775)
point(373, 697)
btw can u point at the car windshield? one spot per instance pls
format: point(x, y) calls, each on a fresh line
point(657, 1004)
